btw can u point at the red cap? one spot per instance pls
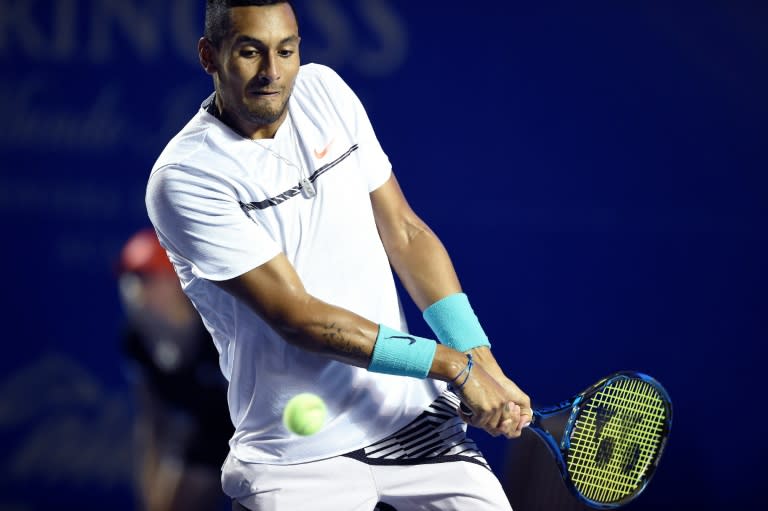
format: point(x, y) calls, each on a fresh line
point(142, 253)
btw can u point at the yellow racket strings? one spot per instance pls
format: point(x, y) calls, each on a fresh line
point(615, 440)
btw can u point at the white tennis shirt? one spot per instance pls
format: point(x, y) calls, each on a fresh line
point(223, 205)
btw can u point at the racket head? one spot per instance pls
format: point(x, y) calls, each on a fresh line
point(614, 438)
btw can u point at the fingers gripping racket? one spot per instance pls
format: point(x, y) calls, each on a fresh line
point(613, 436)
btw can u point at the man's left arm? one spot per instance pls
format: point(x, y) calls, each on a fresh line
point(415, 252)
point(424, 267)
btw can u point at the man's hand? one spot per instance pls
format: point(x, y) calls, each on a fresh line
point(492, 406)
point(520, 403)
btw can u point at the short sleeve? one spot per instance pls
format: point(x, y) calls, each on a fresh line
point(377, 165)
point(200, 222)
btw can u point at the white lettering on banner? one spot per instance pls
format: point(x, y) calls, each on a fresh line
point(393, 38)
point(102, 123)
point(84, 36)
point(97, 125)
point(17, 20)
point(186, 29)
point(32, 30)
point(139, 25)
point(64, 42)
point(367, 35)
point(344, 46)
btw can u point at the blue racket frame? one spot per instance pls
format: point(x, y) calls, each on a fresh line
point(559, 449)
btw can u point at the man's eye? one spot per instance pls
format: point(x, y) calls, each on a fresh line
point(285, 53)
point(249, 53)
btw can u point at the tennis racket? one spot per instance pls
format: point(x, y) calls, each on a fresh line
point(608, 440)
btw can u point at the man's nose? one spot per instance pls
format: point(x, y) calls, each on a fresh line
point(269, 71)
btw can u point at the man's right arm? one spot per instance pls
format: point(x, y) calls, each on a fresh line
point(275, 292)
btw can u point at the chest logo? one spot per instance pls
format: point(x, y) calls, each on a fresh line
point(320, 153)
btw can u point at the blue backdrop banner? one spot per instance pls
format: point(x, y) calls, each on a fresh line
point(597, 174)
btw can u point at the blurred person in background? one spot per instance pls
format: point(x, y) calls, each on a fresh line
point(182, 424)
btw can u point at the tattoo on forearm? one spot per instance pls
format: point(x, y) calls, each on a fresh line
point(337, 339)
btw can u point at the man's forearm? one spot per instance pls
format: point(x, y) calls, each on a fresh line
point(329, 330)
point(345, 336)
point(423, 266)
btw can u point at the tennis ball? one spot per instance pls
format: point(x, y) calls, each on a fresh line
point(304, 414)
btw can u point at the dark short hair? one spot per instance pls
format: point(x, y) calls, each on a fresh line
point(218, 22)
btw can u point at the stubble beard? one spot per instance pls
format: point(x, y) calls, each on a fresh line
point(261, 115)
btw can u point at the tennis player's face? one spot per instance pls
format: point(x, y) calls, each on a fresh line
point(257, 66)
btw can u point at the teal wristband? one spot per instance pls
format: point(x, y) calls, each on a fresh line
point(402, 354)
point(455, 323)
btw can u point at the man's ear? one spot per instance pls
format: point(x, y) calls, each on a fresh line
point(206, 53)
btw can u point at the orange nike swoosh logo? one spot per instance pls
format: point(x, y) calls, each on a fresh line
point(322, 152)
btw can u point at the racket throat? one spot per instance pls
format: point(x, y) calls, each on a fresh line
point(555, 425)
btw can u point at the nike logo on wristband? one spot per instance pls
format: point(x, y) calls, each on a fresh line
point(404, 337)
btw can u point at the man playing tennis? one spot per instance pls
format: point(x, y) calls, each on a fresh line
point(281, 215)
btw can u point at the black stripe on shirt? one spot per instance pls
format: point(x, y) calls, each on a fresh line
point(296, 190)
